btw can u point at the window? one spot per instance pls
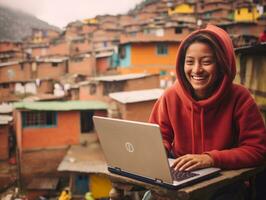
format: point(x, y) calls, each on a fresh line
point(116, 86)
point(162, 49)
point(39, 119)
point(4, 85)
point(178, 30)
point(133, 33)
point(54, 64)
point(146, 31)
point(207, 15)
point(159, 32)
point(92, 89)
point(77, 59)
point(122, 52)
point(21, 66)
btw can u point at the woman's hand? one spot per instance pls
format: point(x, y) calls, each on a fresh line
point(192, 161)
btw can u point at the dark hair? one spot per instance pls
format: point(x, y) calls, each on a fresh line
point(219, 55)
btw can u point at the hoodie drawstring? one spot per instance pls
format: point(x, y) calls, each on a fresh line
point(201, 130)
point(192, 132)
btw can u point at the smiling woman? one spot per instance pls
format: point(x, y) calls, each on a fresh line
point(200, 69)
point(205, 119)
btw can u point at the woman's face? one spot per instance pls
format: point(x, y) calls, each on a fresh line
point(200, 69)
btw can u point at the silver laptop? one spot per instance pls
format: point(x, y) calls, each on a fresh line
point(135, 150)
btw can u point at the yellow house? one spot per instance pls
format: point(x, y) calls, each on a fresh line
point(183, 8)
point(246, 14)
point(90, 21)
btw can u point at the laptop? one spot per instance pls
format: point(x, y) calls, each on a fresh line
point(135, 150)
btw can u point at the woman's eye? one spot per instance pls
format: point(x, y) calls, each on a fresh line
point(207, 62)
point(189, 62)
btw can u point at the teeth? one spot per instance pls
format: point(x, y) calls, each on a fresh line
point(198, 77)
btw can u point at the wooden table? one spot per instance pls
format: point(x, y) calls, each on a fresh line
point(90, 159)
point(202, 190)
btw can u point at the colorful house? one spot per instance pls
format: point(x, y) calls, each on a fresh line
point(148, 54)
point(246, 12)
point(82, 164)
point(181, 8)
point(134, 105)
point(55, 123)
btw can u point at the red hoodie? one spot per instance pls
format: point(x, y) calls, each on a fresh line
point(228, 125)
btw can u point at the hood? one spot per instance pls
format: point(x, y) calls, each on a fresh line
point(230, 68)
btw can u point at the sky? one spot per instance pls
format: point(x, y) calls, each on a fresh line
point(61, 12)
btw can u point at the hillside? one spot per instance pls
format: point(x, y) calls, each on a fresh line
point(15, 25)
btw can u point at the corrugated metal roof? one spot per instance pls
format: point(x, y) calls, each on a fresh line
point(137, 95)
point(62, 105)
point(254, 49)
point(121, 77)
point(89, 159)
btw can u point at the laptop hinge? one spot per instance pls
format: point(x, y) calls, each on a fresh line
point(158, 180)
point(117, 168)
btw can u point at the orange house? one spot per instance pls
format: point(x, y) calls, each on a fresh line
point(150, 54)
point(54, 123)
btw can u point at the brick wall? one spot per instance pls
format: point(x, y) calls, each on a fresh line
point(4, 148)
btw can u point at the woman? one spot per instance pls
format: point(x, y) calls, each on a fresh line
point(206, 120)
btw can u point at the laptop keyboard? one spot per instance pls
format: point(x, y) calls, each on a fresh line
point(182, 175)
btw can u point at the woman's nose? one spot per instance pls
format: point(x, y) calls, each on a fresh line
point(197, 67)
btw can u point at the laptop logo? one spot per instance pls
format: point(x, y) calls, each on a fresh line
point(129, 147)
